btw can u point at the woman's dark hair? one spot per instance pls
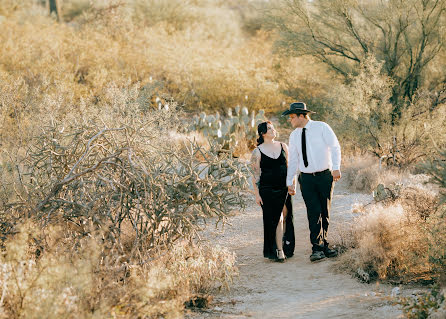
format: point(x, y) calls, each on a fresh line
point(262, 128)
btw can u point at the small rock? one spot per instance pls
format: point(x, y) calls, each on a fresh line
point(364, 276)
point(218, 308)
point(395, 292)
point(417, 292)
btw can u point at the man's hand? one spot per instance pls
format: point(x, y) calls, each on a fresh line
point(292, 190)
point(336, 175)
point(259, 200)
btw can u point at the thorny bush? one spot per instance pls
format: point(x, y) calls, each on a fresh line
point(131, 177)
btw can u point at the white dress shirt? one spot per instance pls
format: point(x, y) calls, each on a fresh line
point(323, 150)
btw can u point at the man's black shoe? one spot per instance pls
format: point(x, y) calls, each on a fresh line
point(317, 255)
point(330, 252)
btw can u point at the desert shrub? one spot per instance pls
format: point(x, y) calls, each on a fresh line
point(43, 275)
point(432, 304)
point(177, 13)
point(423, 202)
point(437, 171)
point(388, 243)
point(363, 173)
point(397, 237)
point(83, 178)
point(75, 8)
point(415, 198)
point(119, 167)
point(216, 67)
point(120, 183)
point(437, 249)
point(437, 244)
point(10, 7)
point(427, 305)
point(254, 15)
point(367, 122)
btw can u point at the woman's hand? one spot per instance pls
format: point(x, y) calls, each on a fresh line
point(259, 200)
point(292, 188)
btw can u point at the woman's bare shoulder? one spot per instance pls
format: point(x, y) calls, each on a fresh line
point(255, 152)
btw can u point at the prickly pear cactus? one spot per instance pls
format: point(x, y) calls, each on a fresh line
point(230, 129)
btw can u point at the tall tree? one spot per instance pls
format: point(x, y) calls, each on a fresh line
point(405, 34)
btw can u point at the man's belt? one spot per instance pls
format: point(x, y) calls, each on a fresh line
point(324, 172)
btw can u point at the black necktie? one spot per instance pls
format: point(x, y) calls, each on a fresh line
point(304, 148)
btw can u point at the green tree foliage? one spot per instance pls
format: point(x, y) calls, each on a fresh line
point(405, 35)
point(366, 119)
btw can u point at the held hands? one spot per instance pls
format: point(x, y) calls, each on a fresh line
point(292, 190)
point(259, 200)
point(336, 175)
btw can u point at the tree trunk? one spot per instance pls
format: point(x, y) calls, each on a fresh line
point(54, 6)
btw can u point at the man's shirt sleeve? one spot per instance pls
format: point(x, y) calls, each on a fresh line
point(332, 141)
point(293, 159)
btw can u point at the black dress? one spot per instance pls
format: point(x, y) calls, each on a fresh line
point(274, 194)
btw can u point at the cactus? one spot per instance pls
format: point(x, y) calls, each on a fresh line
point(211, 120)
point(237, 110)
point(227, 131)
point(245, 120)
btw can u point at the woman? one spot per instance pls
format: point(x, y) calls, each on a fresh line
point(269, 170)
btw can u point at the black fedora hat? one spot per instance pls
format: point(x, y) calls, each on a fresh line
point(297, 108)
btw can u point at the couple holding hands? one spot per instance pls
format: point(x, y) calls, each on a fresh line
point(315, 152)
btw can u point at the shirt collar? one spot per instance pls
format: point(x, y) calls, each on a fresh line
point(308, 125)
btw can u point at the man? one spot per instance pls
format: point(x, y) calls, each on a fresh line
point(314, 150)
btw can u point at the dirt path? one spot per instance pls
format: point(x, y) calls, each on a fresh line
point(296, 288)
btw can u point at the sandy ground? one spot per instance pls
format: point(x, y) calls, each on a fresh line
point(296, 288)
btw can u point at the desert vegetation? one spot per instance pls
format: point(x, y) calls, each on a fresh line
point(398, 237)
point(117, 144)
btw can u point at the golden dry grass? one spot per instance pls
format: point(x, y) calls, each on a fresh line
point(395, 239)
point(42, 276)
point(389, 244)
point(363, 173)
point(201, 57)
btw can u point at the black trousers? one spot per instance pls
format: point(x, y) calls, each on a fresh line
point(317, 192)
